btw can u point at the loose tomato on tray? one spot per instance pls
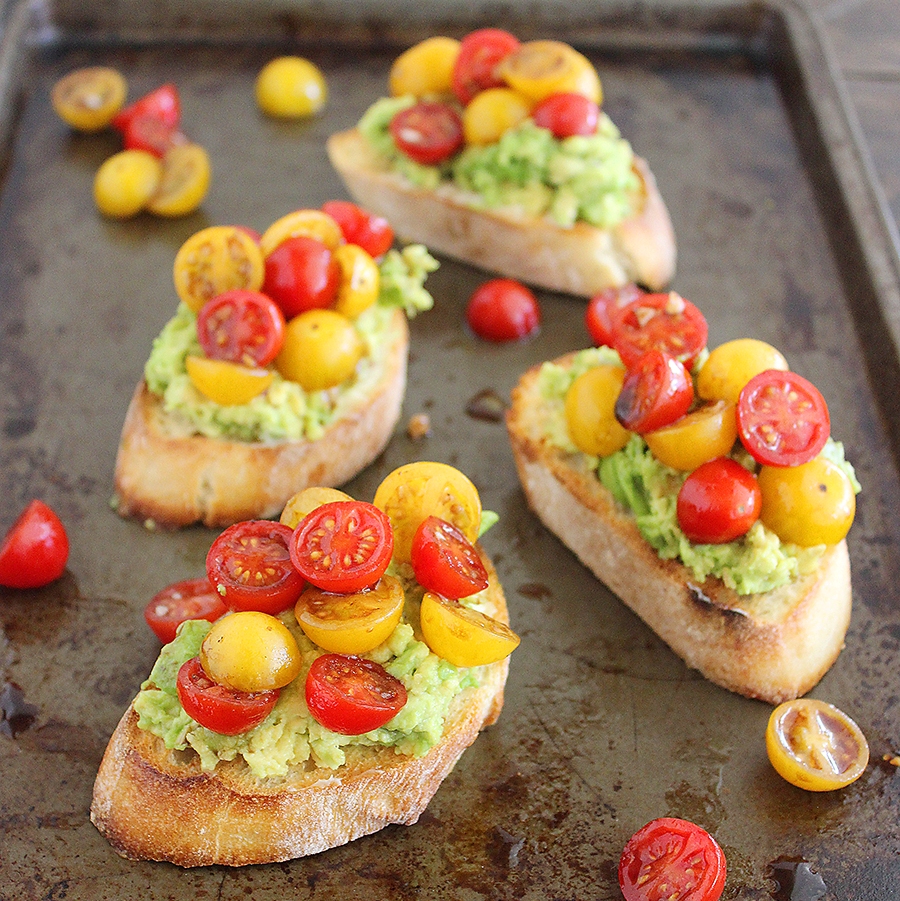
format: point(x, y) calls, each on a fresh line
point(89, 98)
point(718, 502)
point(445, 561)
point(241, 326)
point(35, 550)
point(427, 132)
point(181, 601)
point(656, 392)
point(163, 104)
point(503, 309)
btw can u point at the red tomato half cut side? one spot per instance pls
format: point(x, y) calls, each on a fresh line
point(427, 132)
point(241, 326)
point(445, 561)
point(181, 601)
point(657, 391)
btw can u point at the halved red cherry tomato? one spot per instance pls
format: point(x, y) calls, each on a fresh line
point(567, 114)
point(35, 550)
point(241, 326)
point(180, 601)
point(250, 565)
point(343, 546)
point(502, 309)
point(428, 132)
point(153, 134)
point(445, 561)
point(602, 307)
point(657, 390)
point(164, 104)
point(782, 418)
point(718, 502)
point(475, 67)
point(373, 233)
point(301, 274)
point(665, 322)
point(672, 860)
point(352, 695)
point(217, 708)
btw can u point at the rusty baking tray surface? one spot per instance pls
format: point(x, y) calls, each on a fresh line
point(780, 238)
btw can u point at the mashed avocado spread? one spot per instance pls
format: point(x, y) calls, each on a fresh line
point(587, 179)
point(757, 562)
point(285, 412)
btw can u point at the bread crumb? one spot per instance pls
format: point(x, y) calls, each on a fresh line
point(419, 426)
point(892, 759)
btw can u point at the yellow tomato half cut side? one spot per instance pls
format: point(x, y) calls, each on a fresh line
point(227, 383)
point(307, 500)
point(302, 223)
point(186, 174)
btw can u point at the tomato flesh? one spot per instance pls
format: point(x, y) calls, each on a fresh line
point(567, 114)
point(373, 233)
point(35, 550)
point(718, 502)
point(181, 601)
point(352, 695)
point(153, 134)
point(427, 132)
point(163, 104)
point(250, 566)
point(301, 274)
point(671, 859)
point(657, 391)
point(502, 309)
point(475, 68)
point(601, 309)
point(445, 561)
point(241, 326)
point(217, 708)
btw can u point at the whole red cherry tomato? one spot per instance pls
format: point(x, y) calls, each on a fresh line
point(301, 274)
point(602, 307)
point(241, 326)
point(475, 67)
point(428, 132)
point(718, 502)
point(783, 419)
point(352, 695)
point(220, 709)
point(502, 309)
point(672, 859)
point(567, 114)
point(163, 104)
point(153, 134)
point(445, 561)
point(250, 566)
point(35, 550)
point(657, 390)
point(358, 226)
point(180, 601)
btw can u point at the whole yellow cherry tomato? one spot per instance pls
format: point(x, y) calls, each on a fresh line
point(87, 99)
point(415, 491)
point(462, 636)
point(590, 409)
point(541, 68)
point(185, 181)
point(815, 746)
point(250, 651)
point(493, 112)
point(696, 438)
point(306, 501)
point(731, 365)
point(226, 383)
point(305, 223)
point(810, 504)
point(351, 623)
point(125, 182)
point(291, 87)
point(321, 349)
point(425, 68)
point(360, 280)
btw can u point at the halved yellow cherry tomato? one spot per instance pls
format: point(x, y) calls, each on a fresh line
point(125, 182)
point(462, 636)
point(306, 501)
point(351, 623)
point(815, 746)
point(186, 174)
point(731, 365)
point(250, 651)
point(290, 87)
point(415, 491)
point(227, 383)
point(541, 68)
point(590, 409)
point(810, 504)
point(360, 280)
point(305, 223)
point(87, 99)
point(215, 260)
point(696, 438)
point(425, 68)
point(493, 112)
point(321, 349)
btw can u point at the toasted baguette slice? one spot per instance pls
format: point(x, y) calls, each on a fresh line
point(580, 260)
point(155, 804)
point(176, 478)
point(772, 646)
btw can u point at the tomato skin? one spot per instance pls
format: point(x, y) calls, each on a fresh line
point(125, 183)
point(718, 502)
point(503, 309)
point(153, 134)
point(590, 411)
point(163, 103)
point(291, 87)
point(301, 275)
point(425, 68)
point(567, 114)
point(343, 546)
point(371, 232)
point(598, 316)
point(782, 418)
point(428, 132)
point(445, 561)
point(321, 349)
point(241, 326)
point(475, 68)
point(35, 550)
point(703, 434)
point(731, 365)
point(228, 384)
point(352, 695)
point(491, 114)
point(180, 601)
point(217, 708)
point(657, 390)
point(250, 566)
point(670, 859)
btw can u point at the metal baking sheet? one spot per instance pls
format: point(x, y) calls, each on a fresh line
point(781, 237)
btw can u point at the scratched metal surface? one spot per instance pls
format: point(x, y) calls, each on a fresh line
point(604, 728)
